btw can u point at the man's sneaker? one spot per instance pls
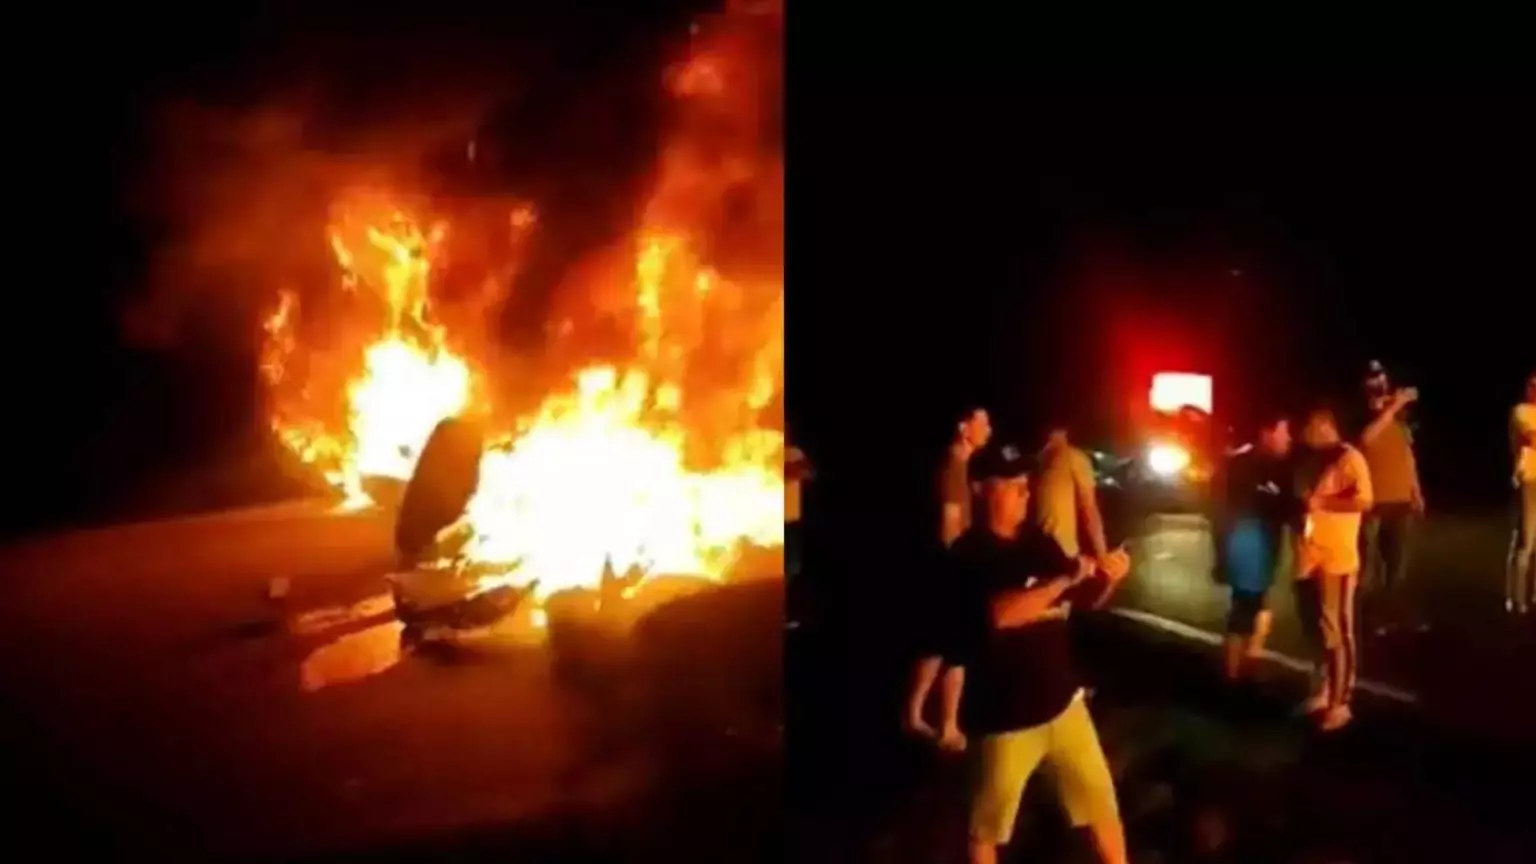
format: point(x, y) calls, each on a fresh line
point(1335, 718)
point(1313, 704)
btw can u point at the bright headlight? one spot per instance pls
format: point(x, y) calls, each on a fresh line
point(1167, 460)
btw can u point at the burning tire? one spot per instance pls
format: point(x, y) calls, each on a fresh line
point(445, 479)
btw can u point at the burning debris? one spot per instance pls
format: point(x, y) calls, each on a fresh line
point(659, 454)
point(446, 599)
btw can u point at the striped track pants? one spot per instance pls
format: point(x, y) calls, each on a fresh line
point(1328, 606)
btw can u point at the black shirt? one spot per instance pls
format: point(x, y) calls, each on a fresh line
point(1020, 676)
point(1257, 485)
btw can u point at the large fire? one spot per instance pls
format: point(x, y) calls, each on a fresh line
point(615, 469)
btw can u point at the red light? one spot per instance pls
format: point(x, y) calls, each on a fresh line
point(1174, 390)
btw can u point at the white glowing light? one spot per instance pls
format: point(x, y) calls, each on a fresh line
point(1174, 390)
point(1167, 460)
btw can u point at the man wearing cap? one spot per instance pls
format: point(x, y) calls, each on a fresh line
point(1023, 703)
point(1520, 584)
point(1387, 533)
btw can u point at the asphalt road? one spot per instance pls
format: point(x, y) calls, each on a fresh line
point(1469, 670)
point(1204, 772)
point(156, 698)
point(160, 700)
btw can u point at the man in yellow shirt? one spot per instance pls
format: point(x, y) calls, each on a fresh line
point(1387, 444)
point(1520, 584)
point(1067, 501)
point(1329, 563)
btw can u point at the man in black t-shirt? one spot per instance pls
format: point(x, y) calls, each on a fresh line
point(1023, 702)
point(1255, 518)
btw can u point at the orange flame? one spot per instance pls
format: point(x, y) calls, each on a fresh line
point(651, 463)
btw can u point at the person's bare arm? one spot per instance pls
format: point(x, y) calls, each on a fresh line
point(1385, 418)
point(953, 491)
point(1415, 492)
point(951, 525)
point(1022, 606)
point(951, 687)
point(1112, 570)
point(1088, 504)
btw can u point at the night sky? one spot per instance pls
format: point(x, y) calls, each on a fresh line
point(567, 92)
point(1043, 247)
point(955, 235)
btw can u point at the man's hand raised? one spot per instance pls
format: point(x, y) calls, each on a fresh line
point(1087, 565)
point(1116, 565)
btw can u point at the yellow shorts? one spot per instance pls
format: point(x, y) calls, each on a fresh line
point(1003, 763)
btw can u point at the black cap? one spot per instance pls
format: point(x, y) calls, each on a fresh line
point(1003, 462)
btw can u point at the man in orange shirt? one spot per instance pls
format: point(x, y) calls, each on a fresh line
point(1338, 494)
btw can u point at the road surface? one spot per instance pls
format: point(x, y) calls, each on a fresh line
point(1463, 670)
point(155, 693)
point(1203, 772)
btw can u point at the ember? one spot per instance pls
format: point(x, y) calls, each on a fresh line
point(669, 462)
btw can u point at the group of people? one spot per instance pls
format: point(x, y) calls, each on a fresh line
point(1304, 511)
point(1024, 544)
point(1337, 514)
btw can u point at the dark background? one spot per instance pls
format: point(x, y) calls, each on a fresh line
point(1041, 246)
point(97, 421)
point(958, 232)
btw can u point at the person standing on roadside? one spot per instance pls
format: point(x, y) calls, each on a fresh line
point(1023, 702)
point(1388, 531)
point(1066, 499)
point(1254, 510)
point(797, 471)
point(1328, 567)
point(1520, 580)
point(973, 429)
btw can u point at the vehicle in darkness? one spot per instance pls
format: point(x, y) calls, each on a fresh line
point(1166, 462)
